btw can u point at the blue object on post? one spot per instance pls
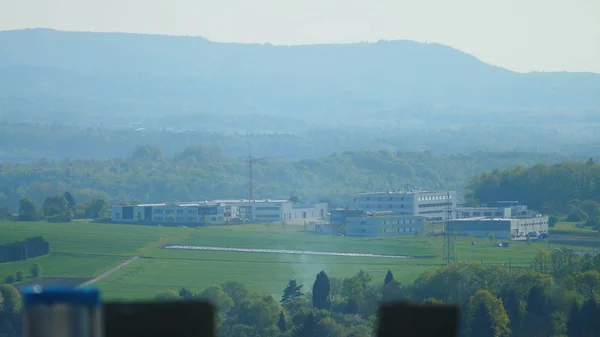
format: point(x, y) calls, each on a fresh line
point(61, 311)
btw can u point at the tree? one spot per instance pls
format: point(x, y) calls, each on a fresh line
point(282, 323)
point(487, 317)
point(589, 318)
point(185, 293)
point(220, 299)
point(537, 301)
point(364, 278)
point(12, 298)
point(96, 208)
point(36, 270)
point(260, 312)
point(481, 322)
point(10, 279)
point(589, 283)
point(55, 205)
point(320, 292)
point(492, 237)
point(20, 275)
point(70, 201)
point(389, 277)
point(169, 295)
point(308, 328)
point(27, 210)
point(515, 308)
point(236, 291)
point(574, 323)
point(291, 292)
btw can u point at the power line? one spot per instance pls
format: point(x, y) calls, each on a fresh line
point(448, 253)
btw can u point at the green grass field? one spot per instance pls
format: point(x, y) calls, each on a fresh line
point(86, 250)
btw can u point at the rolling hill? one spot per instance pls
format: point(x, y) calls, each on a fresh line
point(119, 78)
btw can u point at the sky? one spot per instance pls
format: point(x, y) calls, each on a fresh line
point(521, 35)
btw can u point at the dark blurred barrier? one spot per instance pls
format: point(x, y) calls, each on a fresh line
point(159, 319)
point(409, 320)
point(195, 319)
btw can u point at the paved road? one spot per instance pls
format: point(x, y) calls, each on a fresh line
point(108, 272)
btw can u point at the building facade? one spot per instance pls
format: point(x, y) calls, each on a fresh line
point(220, 212)
point(384, 225)
point(194, 214)
point(474, 212)
point(503, 228)
point(433, 206)
point(499, 211)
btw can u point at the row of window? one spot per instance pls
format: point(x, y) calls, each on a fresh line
point(468, 214)
point(380, 198)
point(441, 204)
point(385, 230)
point(183, 218)
point(380, 206)
point(401, 198)
point(267, 208)
point(399, 222)
point(435, 197)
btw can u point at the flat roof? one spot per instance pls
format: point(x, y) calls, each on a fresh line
point(362, 216)
point(244, 201)
point(404, 192)
point(482, 208)
point(482, 219)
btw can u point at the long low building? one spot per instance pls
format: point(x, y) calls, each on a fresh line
point(219, 212)
point(499, 211)
point(199, 213)
point(502, 228)
point(390, 224)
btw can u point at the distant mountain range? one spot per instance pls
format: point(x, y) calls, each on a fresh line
point(112, 77)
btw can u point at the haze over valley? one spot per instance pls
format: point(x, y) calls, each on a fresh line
point(304, 101)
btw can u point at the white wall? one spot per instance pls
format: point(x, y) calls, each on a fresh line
point(384, 226)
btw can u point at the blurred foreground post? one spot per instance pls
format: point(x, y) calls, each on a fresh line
point(401, 319)
point(159, 319)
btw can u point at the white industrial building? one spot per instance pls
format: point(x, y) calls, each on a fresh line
point(499, 211)
point(433, 206)
point(275, 210)
point(193, 213)
point(219, 212)
point(503, 228)
point(373, 224)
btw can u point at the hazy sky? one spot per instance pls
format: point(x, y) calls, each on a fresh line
point(522, 35)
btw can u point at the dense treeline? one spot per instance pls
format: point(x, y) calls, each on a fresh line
point(558, 296)
point(570, 189)
point(204, 173)
point(22, 142)
point(61, 208)
point(22, 250)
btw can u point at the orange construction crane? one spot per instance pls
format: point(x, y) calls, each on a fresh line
point(250, 180)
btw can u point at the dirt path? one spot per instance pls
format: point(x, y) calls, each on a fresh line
point(108, 272)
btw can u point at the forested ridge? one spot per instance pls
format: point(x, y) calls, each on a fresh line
point(282, 136)
point(570, 189)
point(204, 173)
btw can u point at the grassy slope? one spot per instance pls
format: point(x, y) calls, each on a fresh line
point(85, 250)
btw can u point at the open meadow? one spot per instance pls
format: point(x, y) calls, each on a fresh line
point(84, 251)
